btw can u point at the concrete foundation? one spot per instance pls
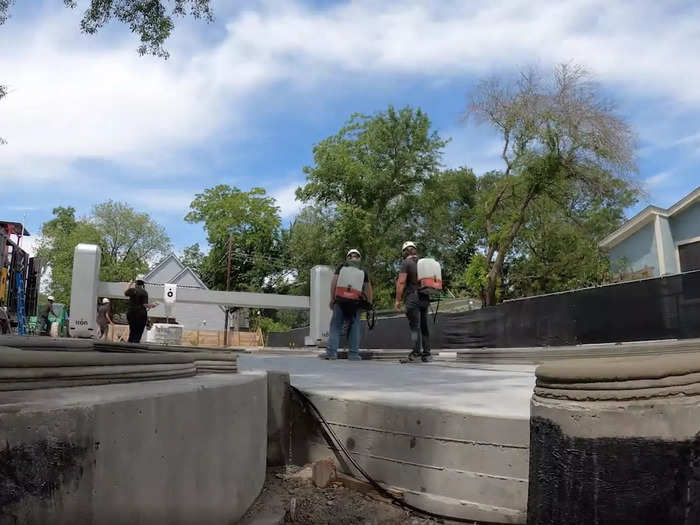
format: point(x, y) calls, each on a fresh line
point(615, 441)
point(189, 450)
point(452, 441)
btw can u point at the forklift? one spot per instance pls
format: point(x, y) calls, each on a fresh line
point(20, 277)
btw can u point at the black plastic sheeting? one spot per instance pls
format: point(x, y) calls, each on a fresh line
point(660, 308)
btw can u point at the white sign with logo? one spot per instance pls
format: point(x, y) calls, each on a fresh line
point(170, 293)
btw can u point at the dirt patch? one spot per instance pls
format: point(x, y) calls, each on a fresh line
point(289, 496)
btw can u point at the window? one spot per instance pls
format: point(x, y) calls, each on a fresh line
point(689, 255)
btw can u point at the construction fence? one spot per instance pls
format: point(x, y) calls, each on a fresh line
point(648, 309)
point(208, 338)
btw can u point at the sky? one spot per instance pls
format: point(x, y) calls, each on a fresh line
point(242, 100)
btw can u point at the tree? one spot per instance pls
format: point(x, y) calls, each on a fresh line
point(131, 240)
point(59, 237)
point(560, 140)
point(250, 222)
point(557, 248)
point(151, 20)
point(128, 241)
point(193, 258)
point(366, 181)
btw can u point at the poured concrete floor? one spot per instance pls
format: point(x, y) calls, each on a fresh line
point(489, 390)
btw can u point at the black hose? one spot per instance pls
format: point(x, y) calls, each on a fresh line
point(437, 307)
point(337, 444)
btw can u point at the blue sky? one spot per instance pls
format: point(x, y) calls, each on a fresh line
point(242, 101)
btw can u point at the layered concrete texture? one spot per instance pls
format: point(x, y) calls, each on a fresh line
point(615, 441)
point(539, 355)
point(189, 450)
point(453, 441)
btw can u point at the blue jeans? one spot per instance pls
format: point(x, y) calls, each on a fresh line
point(336, 331)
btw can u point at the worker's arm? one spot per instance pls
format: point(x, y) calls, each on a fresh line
point(109, 317)
point(400, 287)
point(334, 283)
point(368, 291)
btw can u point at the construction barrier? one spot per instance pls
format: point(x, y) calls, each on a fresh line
point(648, 309)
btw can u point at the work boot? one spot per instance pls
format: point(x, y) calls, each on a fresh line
point(330, 356)
point(426, 358)
point(413, 357)
point(354, 357)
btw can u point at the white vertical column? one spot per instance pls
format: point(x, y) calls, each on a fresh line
point(83, 292)
point(320, 312)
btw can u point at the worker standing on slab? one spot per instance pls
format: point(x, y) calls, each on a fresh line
point(104, 318)
point(350, 289)
point(137, 314)
point(416, 301)
point(43, 318)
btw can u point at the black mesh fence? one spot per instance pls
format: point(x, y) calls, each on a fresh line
point(660, 308)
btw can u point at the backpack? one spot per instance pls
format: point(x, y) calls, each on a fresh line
point(429, 276)
point(351, 280)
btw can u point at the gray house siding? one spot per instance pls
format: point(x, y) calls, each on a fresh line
point(191, 316)
point(670, 264)
point(686, 225)
point(638, 251)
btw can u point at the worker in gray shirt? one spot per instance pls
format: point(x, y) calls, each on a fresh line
point(104, 318)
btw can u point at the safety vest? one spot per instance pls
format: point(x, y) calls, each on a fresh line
point(350, 283)
point(429, 275)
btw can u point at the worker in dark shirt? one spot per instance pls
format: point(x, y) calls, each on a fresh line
point(137, 314)
point(44, 313)
point(416, 303)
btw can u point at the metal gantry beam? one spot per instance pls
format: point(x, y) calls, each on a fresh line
point(202, 296)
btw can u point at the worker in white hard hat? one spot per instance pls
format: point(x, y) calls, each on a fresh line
point(43, 317)
point(104, 318)
point(350, 289)
point(416, 303)
point(137, 314)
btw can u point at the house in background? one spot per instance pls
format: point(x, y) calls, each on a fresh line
point(658, 241)
point(191, 316)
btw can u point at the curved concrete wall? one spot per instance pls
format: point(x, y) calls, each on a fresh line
point(189, 450)
point(455, 464)
point(615, 441)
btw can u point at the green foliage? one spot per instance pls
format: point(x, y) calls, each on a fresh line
point(151, 20)
point(364, 188)
point(193, 258)
point(59, 238)
point(128, 241)
point(251, 221)
point(562, 145)
point(131, 240)
point(267, 325)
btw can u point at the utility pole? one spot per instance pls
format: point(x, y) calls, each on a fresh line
point(228, 287)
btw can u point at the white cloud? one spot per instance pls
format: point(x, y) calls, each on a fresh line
point(657, 180)
point(75, 97)
point(286, 200)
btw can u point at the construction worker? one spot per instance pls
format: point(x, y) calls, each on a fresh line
point(4, 319)
point(350, 289)
point(137, 314)
point(416, 302)
point(104, 318)
point(43, 318)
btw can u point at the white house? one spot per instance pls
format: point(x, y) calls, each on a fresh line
point(659, 241)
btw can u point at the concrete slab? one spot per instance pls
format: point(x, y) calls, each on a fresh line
point(494, 390)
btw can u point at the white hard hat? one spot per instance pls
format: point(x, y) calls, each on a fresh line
point(105, 300)
point(353, 250)
point(139, 277)
point(50, 298)
point(408, 244)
